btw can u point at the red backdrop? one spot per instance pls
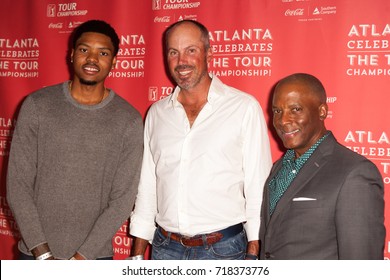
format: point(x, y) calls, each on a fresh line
point(255, 42)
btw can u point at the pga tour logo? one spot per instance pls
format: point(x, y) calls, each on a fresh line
point(156, 4)
point(153, 94)
point(51, 10)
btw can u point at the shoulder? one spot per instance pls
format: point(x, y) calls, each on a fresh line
point(42, 98)
point(233, 93)
point(123, 107)
point(344, 158)
point(48, 91)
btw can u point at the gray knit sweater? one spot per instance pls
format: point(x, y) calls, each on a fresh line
point(73, 171)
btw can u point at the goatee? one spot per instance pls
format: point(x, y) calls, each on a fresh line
point(87, 83)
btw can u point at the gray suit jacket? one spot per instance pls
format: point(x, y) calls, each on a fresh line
point(333, 209)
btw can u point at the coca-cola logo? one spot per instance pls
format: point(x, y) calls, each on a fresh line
point(292, 13)
point(162, 19)
point(55, 25)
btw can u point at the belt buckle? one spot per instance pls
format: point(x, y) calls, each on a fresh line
point(184, 237)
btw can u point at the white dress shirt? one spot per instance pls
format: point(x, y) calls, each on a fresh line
point(207, 177)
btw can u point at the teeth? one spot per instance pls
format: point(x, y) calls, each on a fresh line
point(291, 132)
point(184, 72)
point(91, 69)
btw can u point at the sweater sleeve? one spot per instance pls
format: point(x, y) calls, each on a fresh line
point(123, 192)
point(22, 169)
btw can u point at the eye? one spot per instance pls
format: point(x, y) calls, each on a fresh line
point(172, 53)
point(104, 53)
point(83, 50)
point(296, 109)
point(276, 111)
point(191, 50)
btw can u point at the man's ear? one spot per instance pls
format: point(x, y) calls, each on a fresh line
point(323, 111)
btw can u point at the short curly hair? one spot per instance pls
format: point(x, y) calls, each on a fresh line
point(98, 26)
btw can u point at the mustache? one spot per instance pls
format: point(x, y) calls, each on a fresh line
point(91, 65)
point(183, 67)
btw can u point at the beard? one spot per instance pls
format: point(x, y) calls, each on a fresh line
point(87, 83)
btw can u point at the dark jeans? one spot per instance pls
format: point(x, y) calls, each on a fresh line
point(23, 256)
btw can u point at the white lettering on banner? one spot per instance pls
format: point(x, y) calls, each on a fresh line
point(7, 224)
point(67, 7)
point(292, 13)
point(154, 93)
point(121, 251)
point(372, 152)
point(361, 136)
point(368, 72)
point(241, 73)
point(366, 30)
point(245, 52)
point(65, 10)
point(179, 4)
point(7, 126)
point(162, 19)
point(325, 10)
point(58, 25)
point(385, 166)
point(19, 43)
point(122, 240)
point(130, 58)
point(373, 50)
point(367, 44)
point(19, 57)
point(240, 35)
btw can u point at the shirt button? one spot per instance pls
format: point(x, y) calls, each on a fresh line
point(267, 255)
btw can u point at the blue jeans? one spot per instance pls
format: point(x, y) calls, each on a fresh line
point(23, 256)
point(164, 248)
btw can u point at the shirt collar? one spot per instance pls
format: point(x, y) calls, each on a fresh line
point(289, 157)
point(216, 90)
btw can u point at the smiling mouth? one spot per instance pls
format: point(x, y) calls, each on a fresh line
point(91, 68)
point(184, 73)
point(290, 132)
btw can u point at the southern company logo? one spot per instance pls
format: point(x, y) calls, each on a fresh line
point(329, 10)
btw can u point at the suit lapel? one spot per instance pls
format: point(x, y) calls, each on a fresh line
point(317, 160)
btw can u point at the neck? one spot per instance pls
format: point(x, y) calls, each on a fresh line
point(87, 94)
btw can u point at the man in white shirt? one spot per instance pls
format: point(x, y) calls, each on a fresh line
point(206, 159)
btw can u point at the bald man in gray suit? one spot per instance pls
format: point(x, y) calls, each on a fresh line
point(321, 200)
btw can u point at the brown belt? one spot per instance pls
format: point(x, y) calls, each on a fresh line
point(197, 240)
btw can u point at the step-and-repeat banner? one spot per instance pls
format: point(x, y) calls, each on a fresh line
point(255, 43)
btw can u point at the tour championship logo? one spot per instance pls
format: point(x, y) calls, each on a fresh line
point(8, 226)
point(6, 130)
point(242, 52)
point(19, 58)
point(64, 10)
point(174, 4)
point(373, 145)
point(155, 94)
point(368, 50)
point(131, 57)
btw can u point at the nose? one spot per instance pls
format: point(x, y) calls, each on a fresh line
point(285, 118)
point(92, 57)
point(182, 59)
point(282, 119)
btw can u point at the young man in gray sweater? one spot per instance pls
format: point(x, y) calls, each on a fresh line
point(75, 157)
